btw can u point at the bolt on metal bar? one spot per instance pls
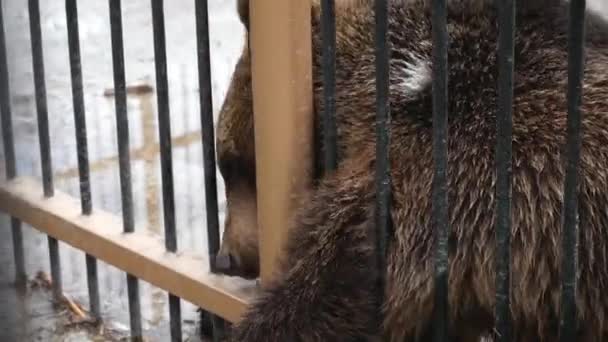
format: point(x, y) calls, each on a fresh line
point(440, 156)
point(506, 20)
point(576, 39)
point(122, 130)
point(9, 152)
point(328, 26)
point(43, 135)
point(208, 140)
point(81, 145)
point(383, 122)
point(164, 132)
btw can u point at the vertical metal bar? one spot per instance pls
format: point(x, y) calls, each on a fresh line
point(328, 26)
point(164, 132)
point(41, 104)
point(440, 153)
point(209, 163)
point(503, 167)
point(5, 105)
point(9, 152)
point(43, 134)
point(204, 80)
point(55, 268)
point(79, 108)
point(383, 122)
point(219, 328)
point(164, 124)
point(81, 145)
point(93, 286)
point(122, 129)
point(18, 254)
point(568, 326)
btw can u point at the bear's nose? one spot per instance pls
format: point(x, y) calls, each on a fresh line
point(223, 262)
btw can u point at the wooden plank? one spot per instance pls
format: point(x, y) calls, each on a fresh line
point(141, 254)
point(280, 36)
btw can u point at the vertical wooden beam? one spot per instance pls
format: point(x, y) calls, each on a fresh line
point(281, 52)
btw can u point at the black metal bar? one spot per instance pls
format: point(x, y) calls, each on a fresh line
point(9, 153)
point(93, 286)
point(164, 132)
point(219, 328)
point(576, 39)
point(40, 91)
point(204, 80)
point(5, 107)
point(81, 145)
point(134, 307)
point(506, 19)
point(122, 120)
point(164, 124)
point(55, 268)
point(440, 153)
point(175, 316)
point(122, 130)
point(383, 122)
point(79, 108)
point(328, 26)
point(209, 163)
point(18, 254)
point(43, 135)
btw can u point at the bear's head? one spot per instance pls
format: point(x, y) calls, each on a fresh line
point(239, 251)
point(235, 143)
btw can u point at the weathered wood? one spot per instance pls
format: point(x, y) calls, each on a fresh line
point(141, 253)
point(280, 37)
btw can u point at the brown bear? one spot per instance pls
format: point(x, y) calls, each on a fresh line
point(327, 289)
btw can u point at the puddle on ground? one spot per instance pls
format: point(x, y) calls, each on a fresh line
point(30, 316)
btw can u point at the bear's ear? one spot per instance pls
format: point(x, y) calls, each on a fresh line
point(243, 9)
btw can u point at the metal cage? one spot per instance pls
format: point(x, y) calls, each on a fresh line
point(117, 242)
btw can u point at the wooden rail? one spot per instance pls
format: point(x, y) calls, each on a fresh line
point(141, 253)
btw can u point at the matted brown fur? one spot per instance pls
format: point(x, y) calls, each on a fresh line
point(327, 291)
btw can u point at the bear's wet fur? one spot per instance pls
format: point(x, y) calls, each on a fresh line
point(326, 290)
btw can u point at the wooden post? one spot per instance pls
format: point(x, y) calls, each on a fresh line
point(281, 52)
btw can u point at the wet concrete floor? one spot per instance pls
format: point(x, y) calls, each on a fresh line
point(29, 315)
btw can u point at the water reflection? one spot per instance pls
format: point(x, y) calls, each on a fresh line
point(226, 42)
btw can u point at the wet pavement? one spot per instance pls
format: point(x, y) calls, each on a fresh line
point(30, 315)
